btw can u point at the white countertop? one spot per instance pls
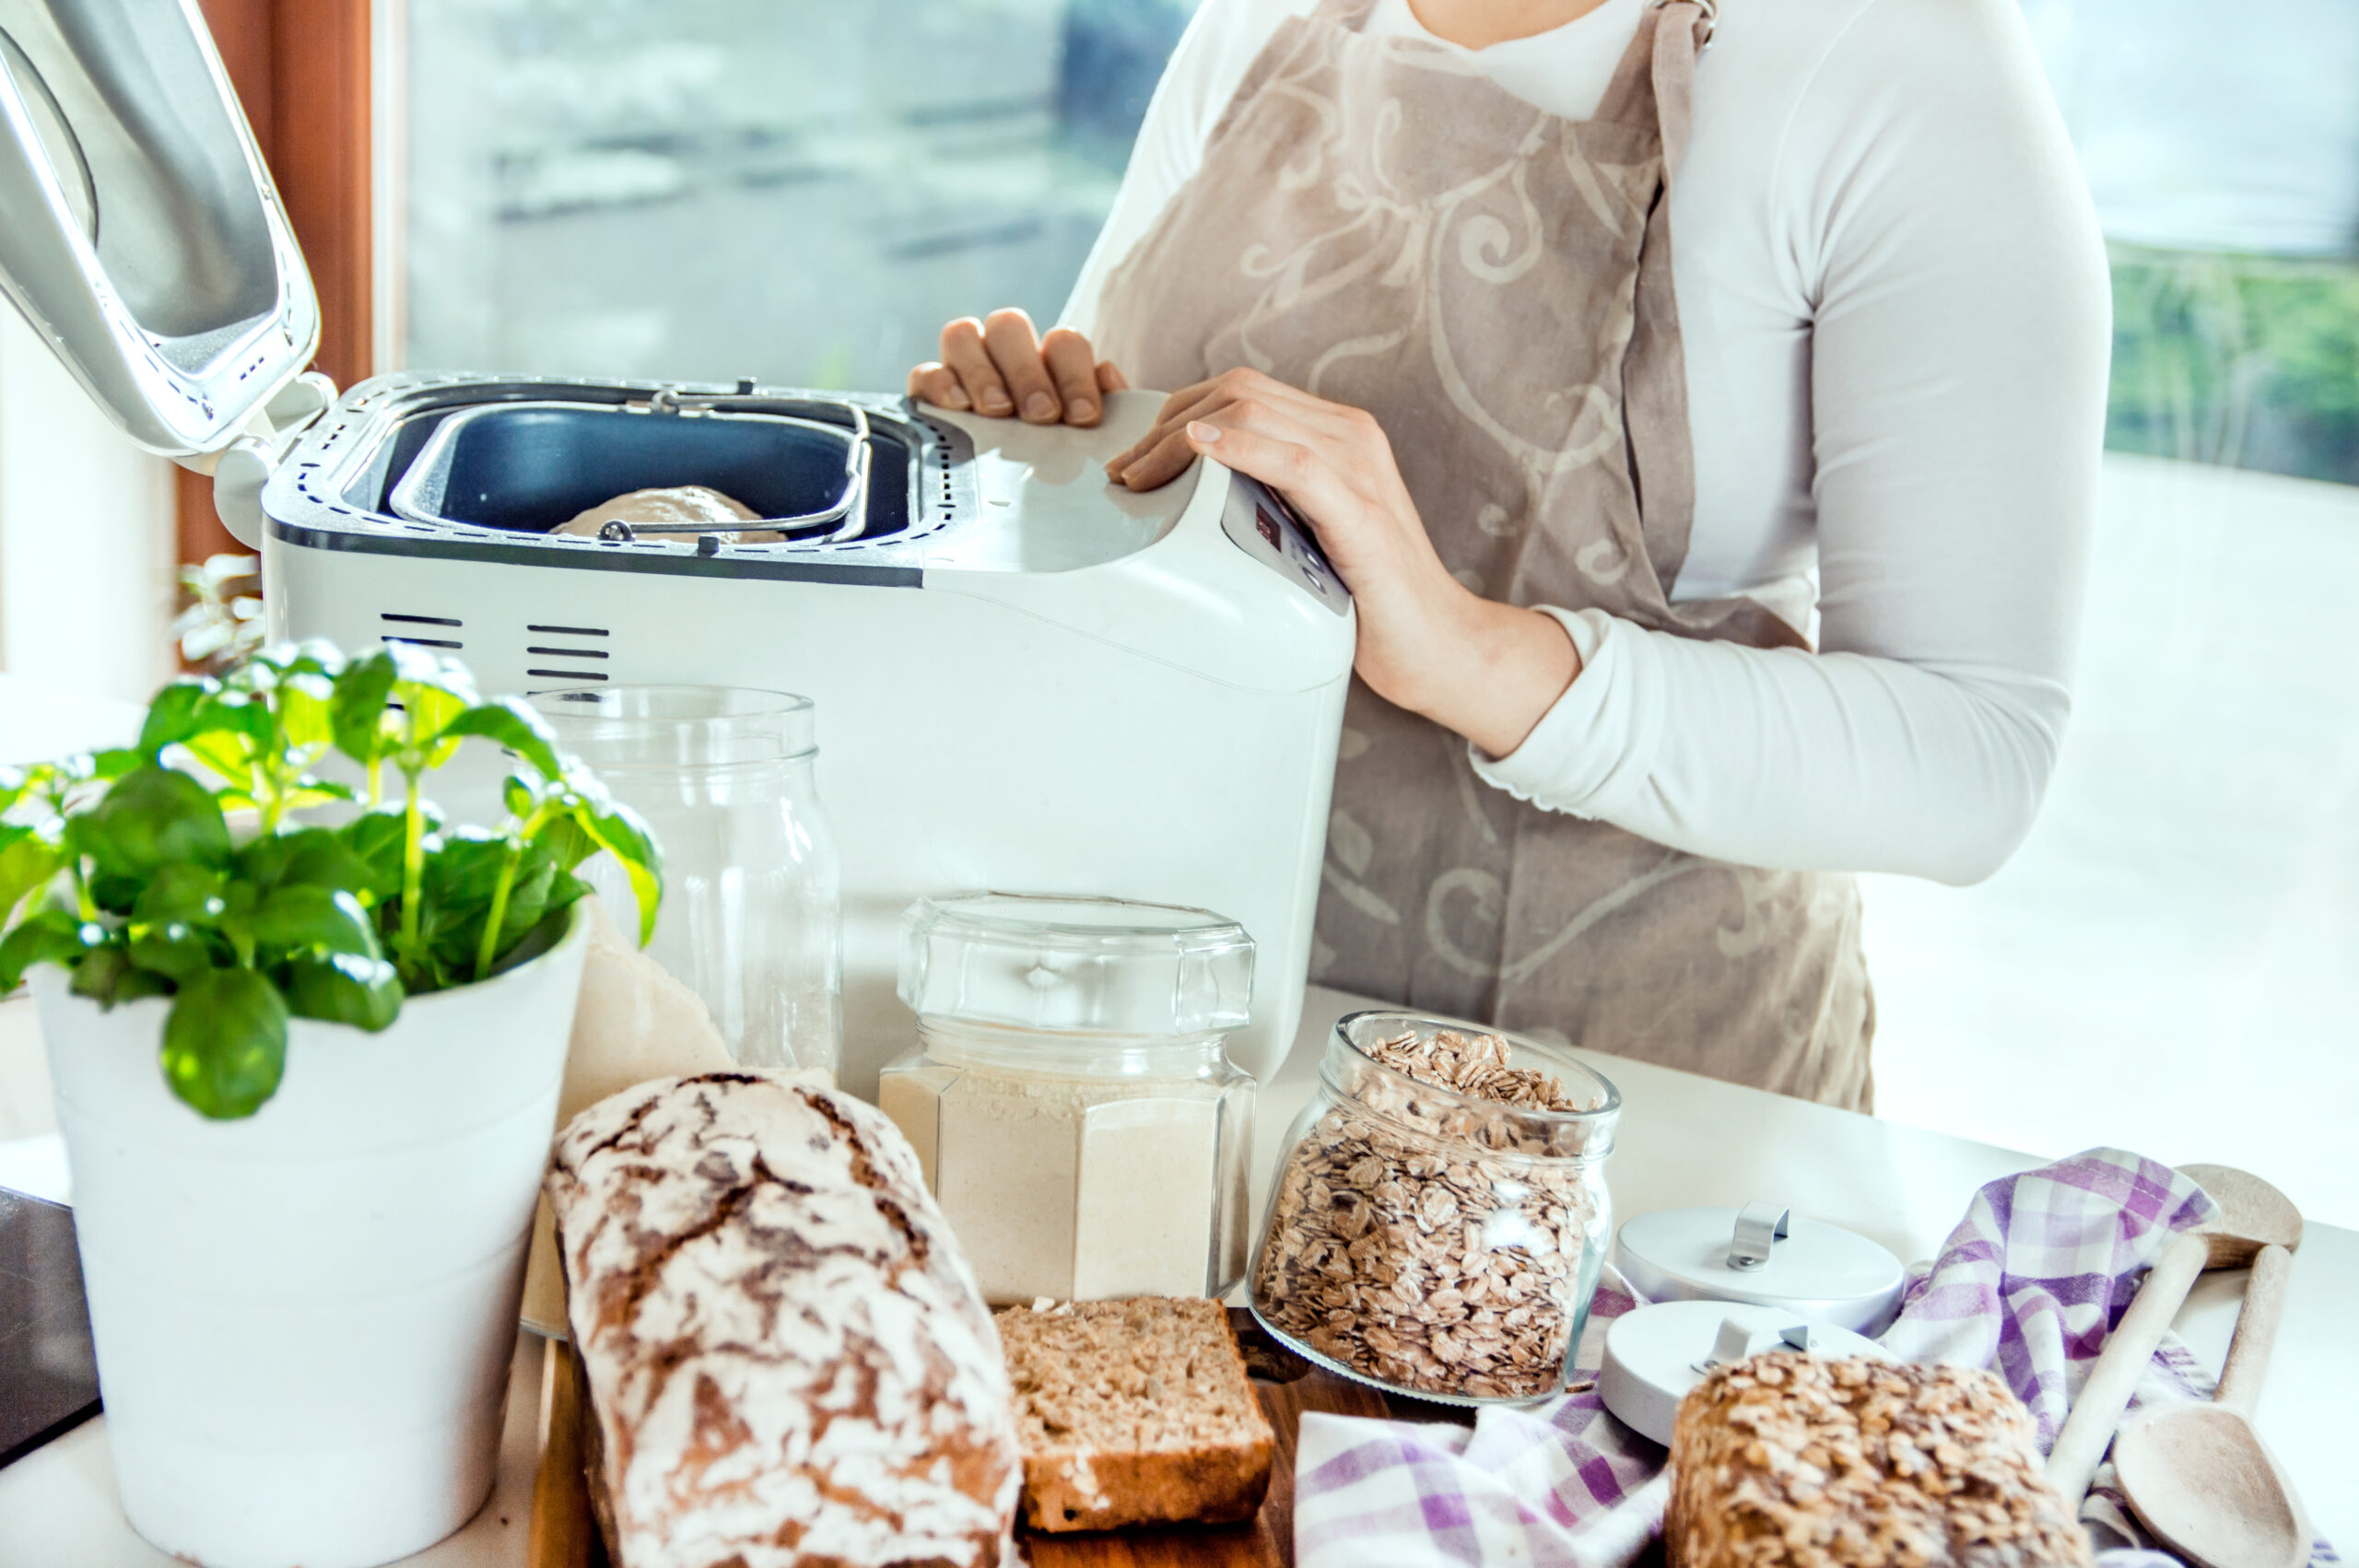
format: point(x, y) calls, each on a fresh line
point(1682, 1140)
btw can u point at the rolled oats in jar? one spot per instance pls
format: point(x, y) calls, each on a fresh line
point(1440, 1214)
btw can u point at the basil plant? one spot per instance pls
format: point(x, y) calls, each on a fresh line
point(191, 866)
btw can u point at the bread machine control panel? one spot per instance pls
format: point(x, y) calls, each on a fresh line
point(1267, 528)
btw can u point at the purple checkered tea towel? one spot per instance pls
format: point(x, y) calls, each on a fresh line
point(2029, 1283)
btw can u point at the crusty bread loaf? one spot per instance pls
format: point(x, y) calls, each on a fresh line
point(1814, 1462)
point(787, 1359)
point(1133, 1411)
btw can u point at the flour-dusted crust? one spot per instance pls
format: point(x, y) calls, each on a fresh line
point(787, 1357)
point(1135, 1411)
point(1814, 1462)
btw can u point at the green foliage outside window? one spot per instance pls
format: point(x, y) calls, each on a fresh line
point(2246, 361)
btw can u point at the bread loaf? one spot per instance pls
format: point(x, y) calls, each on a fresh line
point(1814, 1462)
point(786, 1358)
point(1134, 1411)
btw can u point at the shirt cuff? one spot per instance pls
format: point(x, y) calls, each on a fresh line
point(1591, 753)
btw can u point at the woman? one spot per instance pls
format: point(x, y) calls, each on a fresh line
point(1603, 370)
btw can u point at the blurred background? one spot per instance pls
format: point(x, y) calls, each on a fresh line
point(803, 191)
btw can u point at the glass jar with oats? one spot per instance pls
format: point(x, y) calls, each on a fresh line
point(1440, 1214)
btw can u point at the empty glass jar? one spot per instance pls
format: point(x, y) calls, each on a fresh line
point(1070, 1099)
point(750, 913)
point(1442, 1241)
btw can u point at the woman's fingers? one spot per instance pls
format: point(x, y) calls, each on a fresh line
point(1016, 350)
point(1166, 442)
point(1073, 367)
point(1334, 420)
point(1294, 469)
point(937, 383)
point(1155, 466)
point(970, 361)
point(1000, 366)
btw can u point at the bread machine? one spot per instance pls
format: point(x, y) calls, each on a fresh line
point(1027, 679)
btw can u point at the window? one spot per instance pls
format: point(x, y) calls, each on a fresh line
point(801, 191)
point(2172, 954)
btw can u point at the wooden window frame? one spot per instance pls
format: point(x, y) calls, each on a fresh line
point(303, 71)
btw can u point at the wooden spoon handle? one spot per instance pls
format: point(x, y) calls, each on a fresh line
point(2089, 1429)
point(2256, 1329)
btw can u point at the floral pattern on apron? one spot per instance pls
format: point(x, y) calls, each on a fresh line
point(1379, 224)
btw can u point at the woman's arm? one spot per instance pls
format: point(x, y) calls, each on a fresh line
point(1957, 390)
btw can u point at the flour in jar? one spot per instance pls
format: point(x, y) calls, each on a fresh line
point(1077, 1188)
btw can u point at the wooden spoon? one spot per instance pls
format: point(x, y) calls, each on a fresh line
point(2252, 1215)
point(2198, 1476)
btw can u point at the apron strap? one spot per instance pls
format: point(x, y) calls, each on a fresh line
point(1654, 85)
point(1683, 30)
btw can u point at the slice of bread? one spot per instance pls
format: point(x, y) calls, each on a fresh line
point(1134, 1412)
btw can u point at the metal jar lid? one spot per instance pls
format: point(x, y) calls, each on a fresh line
point(1764, 1254)
point(1655, 1355)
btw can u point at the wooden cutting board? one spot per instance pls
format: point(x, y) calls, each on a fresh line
point(564, 1535)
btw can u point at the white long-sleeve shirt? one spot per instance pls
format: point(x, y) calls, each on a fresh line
point(1896, 312)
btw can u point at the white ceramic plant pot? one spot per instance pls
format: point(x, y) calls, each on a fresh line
point(304, 1320)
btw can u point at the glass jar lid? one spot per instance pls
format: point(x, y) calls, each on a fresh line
point(679, 729)
point(1104, 966)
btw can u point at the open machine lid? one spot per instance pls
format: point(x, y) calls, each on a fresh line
point(142, 237)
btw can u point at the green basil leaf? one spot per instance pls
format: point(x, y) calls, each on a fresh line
point(375, 839)
point(182, 893)
point(566, 842)
point(515, 726)
point(621, 832)
point(462, 870)
point(343, 988)
point(29, 858)
point(148, 818)
point(230, 757)
point(225, 1042)
point(356, 711)
point(424, 970)
point(115, 892)
point(519, 795)
point(45, 936)
point(115, 763)
point(308, 791)
point(108, 977)
point(303, 917)
point(178, 953)
point(314, 855)
point(178, 712)
point(306, 706)
point(547, 932)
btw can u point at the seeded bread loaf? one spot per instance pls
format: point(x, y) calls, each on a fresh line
point(1813, 1462)
point(786, 1358)
point(1133, 1412)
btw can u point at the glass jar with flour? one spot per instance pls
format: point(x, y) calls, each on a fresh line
point(1069, 1097)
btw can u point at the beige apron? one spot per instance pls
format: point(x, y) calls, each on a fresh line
point(1377, 224)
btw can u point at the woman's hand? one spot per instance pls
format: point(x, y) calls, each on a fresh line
point(1487, 670)
point(1000, 366)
